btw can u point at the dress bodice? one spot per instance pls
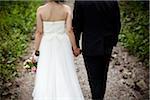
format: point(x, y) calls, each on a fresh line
point(57, 27)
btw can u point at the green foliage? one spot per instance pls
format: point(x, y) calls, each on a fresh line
point(16, 23)
point(135, 28)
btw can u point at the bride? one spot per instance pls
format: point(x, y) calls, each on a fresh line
point(56, 77)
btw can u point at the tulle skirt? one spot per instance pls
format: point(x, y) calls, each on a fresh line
point(56, 77)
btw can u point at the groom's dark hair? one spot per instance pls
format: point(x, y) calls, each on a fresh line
point(57, 1)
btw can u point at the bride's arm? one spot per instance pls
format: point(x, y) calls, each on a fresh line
point(70, 31)
point(39, 29)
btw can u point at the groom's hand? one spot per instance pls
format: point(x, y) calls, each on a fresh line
point(76, 52)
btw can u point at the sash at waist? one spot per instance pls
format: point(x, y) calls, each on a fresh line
point(54, 35)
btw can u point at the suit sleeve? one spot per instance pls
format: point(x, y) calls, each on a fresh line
point(77, 21)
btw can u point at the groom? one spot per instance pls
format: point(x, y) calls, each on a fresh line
point(99, 21)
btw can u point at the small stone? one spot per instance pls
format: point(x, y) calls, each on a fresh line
point(121, 70)
point(141, 84)
point(130, 83)
point(122, 81)
point(127, 74)
point(8, 84)
point(125, 66)
point(114, 56)
point(117, 63)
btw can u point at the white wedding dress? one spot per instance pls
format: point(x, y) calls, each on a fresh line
point(56, 77)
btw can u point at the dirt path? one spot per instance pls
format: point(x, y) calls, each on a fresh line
point(127, 78)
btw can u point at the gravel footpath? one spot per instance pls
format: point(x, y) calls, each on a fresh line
point(127, 78)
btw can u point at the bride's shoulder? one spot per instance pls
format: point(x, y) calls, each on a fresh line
point(41, 7)
point(67, 8)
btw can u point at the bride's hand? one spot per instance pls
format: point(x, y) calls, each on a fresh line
point(76, 51)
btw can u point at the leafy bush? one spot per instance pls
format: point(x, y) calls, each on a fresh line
point(16, 23)
point(135, 28)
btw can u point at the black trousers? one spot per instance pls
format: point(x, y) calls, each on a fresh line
point(97, 68)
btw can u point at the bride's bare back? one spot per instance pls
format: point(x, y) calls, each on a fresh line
point(53, 12)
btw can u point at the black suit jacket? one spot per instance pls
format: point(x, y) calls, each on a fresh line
point(100, 23)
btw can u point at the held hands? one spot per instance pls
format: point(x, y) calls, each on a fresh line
point(76, 51)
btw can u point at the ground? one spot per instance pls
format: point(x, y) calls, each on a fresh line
point(127, 77)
